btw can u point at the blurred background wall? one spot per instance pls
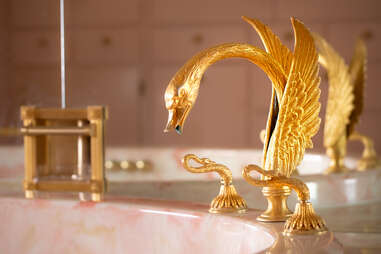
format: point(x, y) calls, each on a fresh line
point(123, 53)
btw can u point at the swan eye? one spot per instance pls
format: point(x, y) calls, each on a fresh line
point(174, 102)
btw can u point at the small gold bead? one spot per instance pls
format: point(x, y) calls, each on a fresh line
point(109, 164)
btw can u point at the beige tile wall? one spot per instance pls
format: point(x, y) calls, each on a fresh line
point(123, 53)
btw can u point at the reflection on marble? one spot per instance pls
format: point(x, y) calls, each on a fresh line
point(355, 219)
point(358, 243)
point(324, 243)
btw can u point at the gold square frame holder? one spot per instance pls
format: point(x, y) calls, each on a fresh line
point(64, 151)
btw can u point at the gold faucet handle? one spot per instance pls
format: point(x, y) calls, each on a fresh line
point(304, 220)
point(207, 166)
point(228, 200)
point(273, 178)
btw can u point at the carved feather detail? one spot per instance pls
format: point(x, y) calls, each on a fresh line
point(284, 56)
point(294, 108)
point(357, 70)
point(340, 92)
point(298, 118)
point(272, 44)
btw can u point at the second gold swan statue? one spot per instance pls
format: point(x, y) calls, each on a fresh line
point(344, 105)
point(293, 118)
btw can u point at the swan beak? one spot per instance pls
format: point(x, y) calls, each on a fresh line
point(179, 129)
point(172, 121)
point(176, 119)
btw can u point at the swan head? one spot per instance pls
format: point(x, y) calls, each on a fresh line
point(179, 97)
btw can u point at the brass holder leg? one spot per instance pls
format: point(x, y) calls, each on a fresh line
point(277, 209)
point(30, 194)
point(90, 196)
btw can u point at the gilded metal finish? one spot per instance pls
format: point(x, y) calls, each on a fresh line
point(293, 118)
point(112, 165)
point(369, 158)
point(294, 110)
point(304, 219)
point(276, 180)
point(345, 104)
point(53, 139)
point(277, 209)
point(262, 136)
point(86, 130)
point(228, 199)
point(183, 89)
point(129, 165)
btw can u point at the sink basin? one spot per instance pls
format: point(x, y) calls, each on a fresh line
point(124, 226)
point(127, 225)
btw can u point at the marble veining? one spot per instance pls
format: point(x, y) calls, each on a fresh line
point(128, 225)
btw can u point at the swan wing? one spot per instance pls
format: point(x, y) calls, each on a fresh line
point(272, 44)
point(357, 70)
point(340, 92)
point(298, 119)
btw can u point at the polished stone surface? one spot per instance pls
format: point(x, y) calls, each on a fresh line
point(350, 202)
point(356, 228)
point(128, 225)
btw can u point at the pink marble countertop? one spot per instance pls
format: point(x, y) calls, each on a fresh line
point(130, 225)
point(357, 228)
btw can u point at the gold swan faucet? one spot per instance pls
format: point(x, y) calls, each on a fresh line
point(293, 118)
point(345, 105)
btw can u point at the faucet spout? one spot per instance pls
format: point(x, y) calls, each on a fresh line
point(176, 119)
point(183, 89)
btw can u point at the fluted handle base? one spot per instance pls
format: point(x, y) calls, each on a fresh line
point(304, 221)
point(228, 201)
